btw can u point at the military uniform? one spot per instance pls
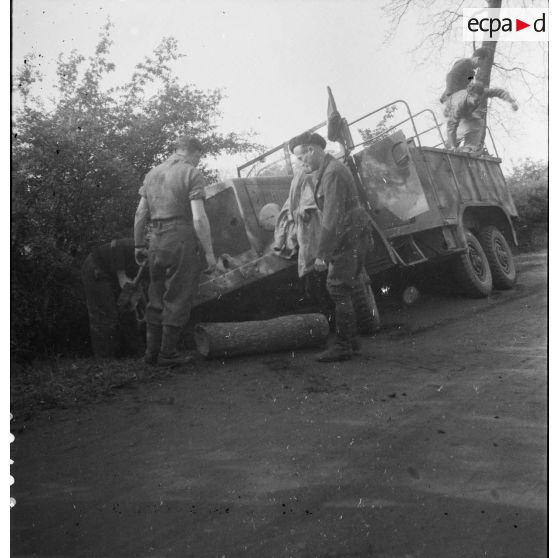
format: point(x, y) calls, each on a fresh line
point(112, 333)
point(174, 252)
point(343, 242)
point(458, 78)
point(467, 121)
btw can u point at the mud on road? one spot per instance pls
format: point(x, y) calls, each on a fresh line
point(432, 443)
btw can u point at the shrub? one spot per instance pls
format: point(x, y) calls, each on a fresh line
point(76, 170)
point(48, 314)
point(528, 184)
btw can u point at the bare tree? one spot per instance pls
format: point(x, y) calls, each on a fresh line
point(443, 19)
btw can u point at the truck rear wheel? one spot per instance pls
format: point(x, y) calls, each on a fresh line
point(500, 257)
point(366, 310)
point(472, 269)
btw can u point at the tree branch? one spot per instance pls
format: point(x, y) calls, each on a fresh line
point(517, 69)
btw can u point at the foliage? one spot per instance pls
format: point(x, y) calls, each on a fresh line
point(76, 169)
point(381, 130)
point(528, 184)
point(48, 314)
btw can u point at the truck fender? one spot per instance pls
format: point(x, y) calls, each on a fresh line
point(474, 216)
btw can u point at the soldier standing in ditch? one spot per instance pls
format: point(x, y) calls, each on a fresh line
point(107, 270)
point(172, 199)
point(343, 239)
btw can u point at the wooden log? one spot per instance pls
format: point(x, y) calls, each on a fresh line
point(215, 340)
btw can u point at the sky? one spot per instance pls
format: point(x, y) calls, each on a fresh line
point(274, 59)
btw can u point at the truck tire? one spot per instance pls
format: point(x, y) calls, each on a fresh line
point(472, 270)
point(500, 257)
point(366, 309)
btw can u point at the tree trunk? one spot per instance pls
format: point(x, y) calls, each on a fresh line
point(485, 69)
point(280, 334)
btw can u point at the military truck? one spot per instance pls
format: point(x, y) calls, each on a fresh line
point(427, 204)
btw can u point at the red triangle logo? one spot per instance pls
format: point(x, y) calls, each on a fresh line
point(519, 25)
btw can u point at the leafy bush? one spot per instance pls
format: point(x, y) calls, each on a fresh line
point(528, 184)
point(48, 306)
point(76, 170)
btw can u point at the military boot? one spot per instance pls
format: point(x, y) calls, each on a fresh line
point(345, 337)
point(169, 356)
point(153, 337)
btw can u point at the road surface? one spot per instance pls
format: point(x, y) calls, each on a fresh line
point(432, 443)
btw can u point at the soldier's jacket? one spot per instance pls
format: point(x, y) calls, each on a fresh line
point(169, 188)
point(343, 217)
point(299, 224)
point(457, 108)
point(114, 256)
point(460, 75)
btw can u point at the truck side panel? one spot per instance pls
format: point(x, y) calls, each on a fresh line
point(400, 203)
point(462, 179)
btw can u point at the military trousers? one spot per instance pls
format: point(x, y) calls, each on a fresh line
point(174, 267)
point(344, 278)
point(469, 133)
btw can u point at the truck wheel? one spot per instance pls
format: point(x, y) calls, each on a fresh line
point(366, 310)
point(500, 257)
point(472, 270)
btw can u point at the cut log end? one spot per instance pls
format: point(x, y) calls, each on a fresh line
point(202, 340)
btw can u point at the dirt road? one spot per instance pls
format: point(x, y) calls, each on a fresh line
point(430, 444)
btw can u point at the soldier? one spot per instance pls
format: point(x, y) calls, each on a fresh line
point(106, 272)
point(172, 198)
point(464, 115)
point(297, 231)
point(463, 72)
point(343, 237)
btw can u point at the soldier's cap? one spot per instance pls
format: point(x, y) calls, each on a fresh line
point(307, 138)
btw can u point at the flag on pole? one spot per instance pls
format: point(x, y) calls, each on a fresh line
point(334, 121)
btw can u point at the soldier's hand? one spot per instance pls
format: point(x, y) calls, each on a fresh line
point(140, 255)
point(515, 106)
point(211, 265)
point(126, 281)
